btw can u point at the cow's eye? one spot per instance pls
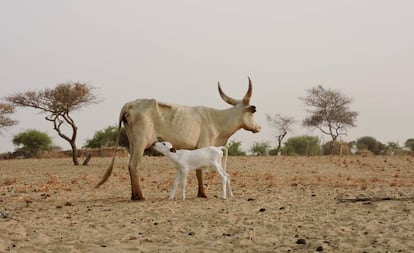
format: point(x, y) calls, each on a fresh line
point(252, 109)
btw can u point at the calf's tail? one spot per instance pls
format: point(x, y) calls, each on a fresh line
point(108, 171)
point(225, 155)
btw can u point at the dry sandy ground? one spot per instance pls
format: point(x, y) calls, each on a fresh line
point(280, 205)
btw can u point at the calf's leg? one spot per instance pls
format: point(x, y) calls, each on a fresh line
point(223, 177)
point(184, 183)
point(229, 191)
point(176, 180)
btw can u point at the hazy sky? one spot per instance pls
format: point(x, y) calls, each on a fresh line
point(176, 51)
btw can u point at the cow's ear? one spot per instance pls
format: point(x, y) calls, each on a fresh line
point(251, 109)
point(172, 150)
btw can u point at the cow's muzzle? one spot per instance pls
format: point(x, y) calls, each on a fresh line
point(256, 129)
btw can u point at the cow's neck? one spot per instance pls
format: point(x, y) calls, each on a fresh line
point(228, 121)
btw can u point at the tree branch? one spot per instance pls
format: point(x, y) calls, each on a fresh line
point(374, 199)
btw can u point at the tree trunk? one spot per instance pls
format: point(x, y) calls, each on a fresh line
point(87, 159)
point(332, 147)
point(74, 153)
point(279, 142)
point(278, 149)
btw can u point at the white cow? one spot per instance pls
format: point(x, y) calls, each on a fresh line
point(187, 160)
point(147, 120)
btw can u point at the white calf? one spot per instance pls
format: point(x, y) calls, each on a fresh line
point(187, 160)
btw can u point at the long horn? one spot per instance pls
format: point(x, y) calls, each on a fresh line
point(246, 98)
point(226, 98)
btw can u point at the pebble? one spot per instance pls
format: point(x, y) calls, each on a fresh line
point(301, 241)
point(262, 210)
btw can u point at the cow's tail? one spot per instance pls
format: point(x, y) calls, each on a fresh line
point(225, 155)
point(108, 171)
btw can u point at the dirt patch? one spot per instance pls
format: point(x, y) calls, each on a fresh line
point(281, 204)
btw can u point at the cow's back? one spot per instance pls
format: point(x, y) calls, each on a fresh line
point(180, 125)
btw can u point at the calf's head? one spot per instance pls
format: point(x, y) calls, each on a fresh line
point(163, 147)
point(245, 110)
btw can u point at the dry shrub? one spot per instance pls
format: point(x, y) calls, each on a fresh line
point(52, 180)
point(364, 153)
point(268, 177)
point(8, 181)
point(67, 188)
point(397, 183)
point(22, 189)
point(96, 152)
point(210, 176)
point(375, 179)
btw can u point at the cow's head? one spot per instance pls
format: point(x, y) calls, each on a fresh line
point(246, 111)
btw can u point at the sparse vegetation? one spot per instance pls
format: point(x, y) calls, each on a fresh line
point(369, 143)
point(340, 148)
point(234, 149)
point(304, 145)
point(330, 112)
point(6, 121)
point(260, 149)
point(58, 103)
point(32, 141)
point(409, 144)
point(282, 125)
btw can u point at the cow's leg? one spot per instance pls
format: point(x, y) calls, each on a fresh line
point(134, 161)
point(201, 192)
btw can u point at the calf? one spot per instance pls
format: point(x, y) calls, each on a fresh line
point(187, 160)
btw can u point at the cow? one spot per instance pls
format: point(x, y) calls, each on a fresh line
point(187, 160)
point(185, 127)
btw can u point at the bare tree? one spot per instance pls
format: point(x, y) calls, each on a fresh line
point(283, 125)
point(330, 113)
point(5, 121)
point(58, 103)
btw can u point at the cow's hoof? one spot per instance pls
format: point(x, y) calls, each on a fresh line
point(201, 195)
point(137, 198)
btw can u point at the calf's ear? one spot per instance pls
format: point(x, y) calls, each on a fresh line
point(172, 150)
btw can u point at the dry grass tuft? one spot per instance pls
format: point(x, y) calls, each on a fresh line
point(8, 181)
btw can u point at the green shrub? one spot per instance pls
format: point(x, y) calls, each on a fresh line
point(340, 148)
point(260, 149)
point(32, 141)
point(369, 143)
point(302, 145)
point(234, 149)
point(107, 138)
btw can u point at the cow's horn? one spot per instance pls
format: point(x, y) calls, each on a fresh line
point(246, 98)
point(226, 98)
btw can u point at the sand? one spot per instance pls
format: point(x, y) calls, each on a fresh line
point(280, 204)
